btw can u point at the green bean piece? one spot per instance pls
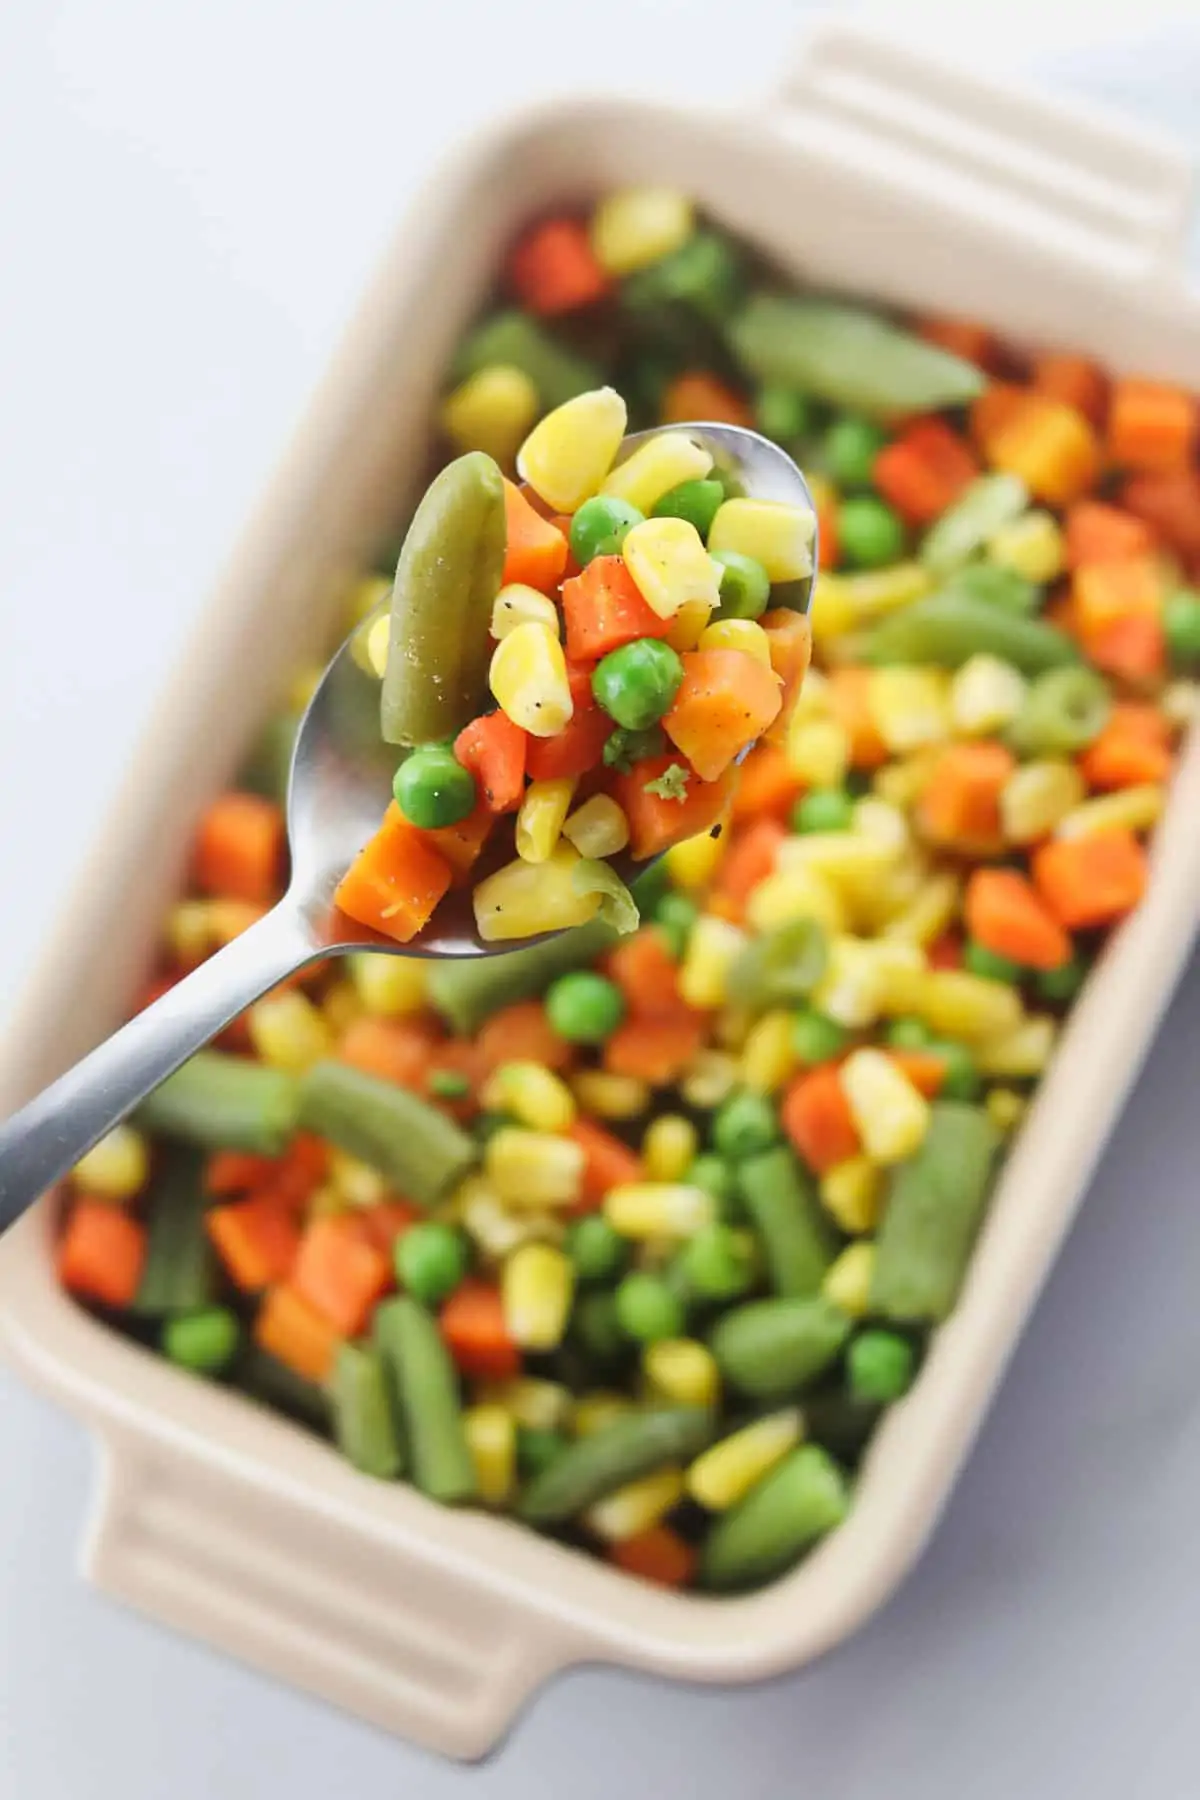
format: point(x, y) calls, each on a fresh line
point(265, 1379)
point(634, 1444)
point(949, 628)
point(205, 1341)
point(514, 339)
point(421, 1151)
point(537, 1448)
point(447, 580)
point(425, 1383)
point(703, 277)
point(934, 1209)
point(849, 357)
point(1063, 712)
point(224, 1102)
point(179, 1274)
point(990, 502)
point(771, 1349)
point(364, 1417)
point(996, 586)
point(267, 770)
point(802, 1499)
point(781, 967)
point(468, 992)
point(797, 1240)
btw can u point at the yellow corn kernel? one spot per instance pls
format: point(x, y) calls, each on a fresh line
point(895, 892)
point(651, 1209)
point(1032, 545)
point(355, 1183)
point(874, 592)
point(1134, 808)
point(1180, 705)
point(655, 467)
point(524, 898)
point(533, 1168)
point(598, 827)
point(389, 986)
point(340, 1006)
point(745, 635)
point(379, 633)
point(796, 894)
point(774, 533)
point(768, 1058)
point(1005, 1108)
point(848, 1279)
point(852, 861)
point(833, 614)
point(852, 1194)
point(635, 227)
point(713, 947)
point(985, 695)
point(669, 1147)
point(910, 707)
point(956, 1004)
point(537, 1284)
point(683, 1370)
point(593, 1412)
point(195, 928)
point(851, 989)
point(890, 1115)
point(693, 863)
point(492, 1441)
point(540, 821)
point(495, 1229)
point(724, 1474)
point(711, 1079)
point(613, 1097)
point(364, 596)
point(366, 645)
point(535, 1405)
point(530, 1094)
point(566, 457)
point(516, 605)
point(931, 911)
point(117, 1168)
point(288, 1032)
point(817, 750)
point(1036, 796)
point(528, 677)
point(688, 626)
point(812, 702)
point(1024, 1051)
point(635, 1507)
point(884, 823)
point(901, 783)
point(491, 411)
point(670, 566)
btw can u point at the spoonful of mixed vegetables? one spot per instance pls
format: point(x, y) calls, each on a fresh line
point(566, 675)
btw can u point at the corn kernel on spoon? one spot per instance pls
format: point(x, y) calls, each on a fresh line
point(340, 784)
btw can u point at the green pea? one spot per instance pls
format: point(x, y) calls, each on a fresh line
point(431, 1260)
point(817, 1038)
point(712, 1173)
point(695, 501)
point(596, 1325)
point(1063, 711)
point(205, 1341)
point(909, 1034)
point(962, 1080)
point(648, 1309)
point(1181, 623)
point(598, 1252)
point(849, 449)
point(675, 916)
point(979, 960)
point(781, 413)
point(879, 1366)
point(743, 1125)
point(870, 533)
point(825, 809)
point(584, 1008)
point(537, 1448)
point(600, 526)
point(433, 789)
point(637, 683)
point(448, 1084)
point(1061, 984)
point(745, 586)
point(717, 1263)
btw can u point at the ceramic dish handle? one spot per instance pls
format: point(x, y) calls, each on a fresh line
point(1057, 171)
point(371, 1625)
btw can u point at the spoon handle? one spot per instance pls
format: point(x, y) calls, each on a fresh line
point(46, 1138)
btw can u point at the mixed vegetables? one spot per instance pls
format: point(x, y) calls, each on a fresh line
point(635, 1237)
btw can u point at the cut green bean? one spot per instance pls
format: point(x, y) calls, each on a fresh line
point(421, 1151)
point(802, 1499)
point(205, 1342)
point(364, 1415)
point(447, 579)
point(265, 1379)
point(1063, 712)
point(179, 1274)
point(519, 342)
point(949, 628)
point(994, 585)
point(797, 1241)
point(634, 1444)
point(964, 528)
point(782, 967)
point(771, 1349)
point(933, 1213)
point(468, 992)
point(225, 1103)
point(425, 1382)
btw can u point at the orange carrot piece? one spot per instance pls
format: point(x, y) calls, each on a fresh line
point(495, 750)
point(237, 1172)
point(1151, 427)
point(961, 337)
point(849, 693)
point(960, 805)
point(552, 268)
point(697, 395)
point(291, 1331)
point(1050, 446)
point(522, 1033)
point(395, 1050)
point(239, 849)
point(302, 1168)
point(461, 844)
point(603, 608)
point(789, 639)
point(1004, 913)
point(578, 747)
point(766, 786)
point(749, 860)
point(608, 1162)
point(1099, 533)
point(102, 1253)
point(1075, 380)
point(395, 882)
point(1170, 506)
point(725, 701)
point(536, 552)
point(656, 823)
point(1092, 880)
point(657, 1554)
point(659, 1051)
point(924, 1068)
point(647, 974)
point(256, 1239)
point(925, 470)
point(341, 1272)
point(472, 1324)
point(817, 1119)
point(1118, 617)
point(1134, 747)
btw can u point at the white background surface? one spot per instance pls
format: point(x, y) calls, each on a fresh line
point(191, 196)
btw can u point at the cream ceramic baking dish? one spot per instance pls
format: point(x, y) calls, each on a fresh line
point(872, 170)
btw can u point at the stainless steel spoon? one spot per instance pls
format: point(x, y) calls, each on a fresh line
point(341, 781)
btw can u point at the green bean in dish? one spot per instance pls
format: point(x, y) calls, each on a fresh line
point(632, 1239)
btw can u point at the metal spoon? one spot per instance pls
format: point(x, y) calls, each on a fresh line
point(340, 784)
